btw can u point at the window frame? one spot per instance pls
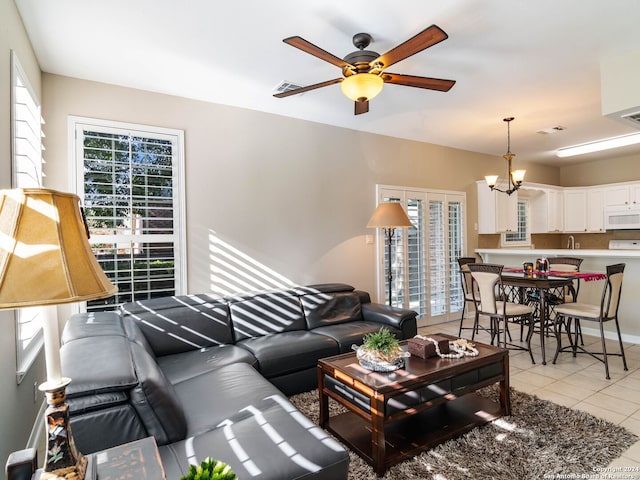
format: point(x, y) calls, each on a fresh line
point(524, 227)
point(76, 162)
point(401, 247)
point(29, 338)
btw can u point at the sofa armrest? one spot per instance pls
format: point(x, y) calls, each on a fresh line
point(400, 318)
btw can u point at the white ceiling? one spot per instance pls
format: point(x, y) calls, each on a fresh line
point(538, 61)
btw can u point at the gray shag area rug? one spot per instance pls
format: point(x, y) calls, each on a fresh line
point(539, 440)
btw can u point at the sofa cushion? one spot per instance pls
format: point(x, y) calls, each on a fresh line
point(181, 323)
point(351, 333)
point(183, 366)
point(211, 398)
point(267, 439)
point(155, 399)
point(97, 365)
point(105, 428)
point(286, 352)
point(324, 288)
point(93, 324)
point(322, 309)
point(265, 313)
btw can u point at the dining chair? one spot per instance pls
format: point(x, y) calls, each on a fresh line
point(567, 264)
point(467, 284)
point(490, 298)
point(573, 313)
point(567, 294)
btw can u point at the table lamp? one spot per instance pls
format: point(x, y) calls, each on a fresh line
point(389, 215)
point(46, 259)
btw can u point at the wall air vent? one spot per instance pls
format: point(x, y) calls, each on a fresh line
point(633, 118)
point(285, 86)
point(549, 130)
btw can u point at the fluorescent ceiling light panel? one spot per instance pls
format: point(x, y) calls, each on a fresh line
point(600, 145)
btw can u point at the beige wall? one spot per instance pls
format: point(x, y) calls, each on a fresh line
point(293, 195)
point(18, 407)
point(611, 170)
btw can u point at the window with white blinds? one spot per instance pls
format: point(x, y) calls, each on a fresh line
point(522, 236)
point(424, 257)
point(26, 137)
point(131, 186)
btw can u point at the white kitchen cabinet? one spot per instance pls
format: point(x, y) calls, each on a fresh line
point(575, 210)
point(497, 212)
point(546, 211)
point(622, 194)
point(595, 210)
point(583, 210)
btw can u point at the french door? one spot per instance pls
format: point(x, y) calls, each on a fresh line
point(424, 265)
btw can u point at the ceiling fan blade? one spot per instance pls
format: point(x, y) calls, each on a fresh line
point(425, 39)
point(314, 50)
point(361, 106)
point(307, 88)
point(439, 84)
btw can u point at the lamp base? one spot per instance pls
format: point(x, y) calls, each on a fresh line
point(62, 459)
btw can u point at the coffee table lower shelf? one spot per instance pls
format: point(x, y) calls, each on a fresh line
point(406, 438)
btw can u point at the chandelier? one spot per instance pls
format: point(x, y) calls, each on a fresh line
point(514, 178)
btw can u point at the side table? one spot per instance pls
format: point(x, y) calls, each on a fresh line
point(137, 460)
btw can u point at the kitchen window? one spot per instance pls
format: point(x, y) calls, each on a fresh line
point(523, 236)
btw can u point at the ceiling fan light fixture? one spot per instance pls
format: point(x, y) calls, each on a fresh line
point(361, 86)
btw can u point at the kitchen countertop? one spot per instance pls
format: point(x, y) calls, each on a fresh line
point(578, 252)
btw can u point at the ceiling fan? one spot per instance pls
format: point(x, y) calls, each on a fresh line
point(364, 70)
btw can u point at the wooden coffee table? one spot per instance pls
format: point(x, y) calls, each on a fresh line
point(393, 416)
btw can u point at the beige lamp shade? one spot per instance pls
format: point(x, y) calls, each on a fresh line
point(389, 215)
point(45, 256)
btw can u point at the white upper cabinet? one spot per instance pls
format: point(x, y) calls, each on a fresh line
point(575, 210)
point(497, 212)
point(546, 210)
point(622, 194)
point(595, 210)
point(583, 210)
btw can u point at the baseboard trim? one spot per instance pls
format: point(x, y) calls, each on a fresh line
point(35, 437)
point(610, 335)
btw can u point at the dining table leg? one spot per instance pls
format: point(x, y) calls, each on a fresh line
point(543, 322)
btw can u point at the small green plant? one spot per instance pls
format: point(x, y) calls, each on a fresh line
point(210, 470)
point(384, 343)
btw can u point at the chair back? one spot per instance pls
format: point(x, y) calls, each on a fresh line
point(486, 276)
point(611, 293)
point(565, 264)
point(568, 264)
point(465, 275)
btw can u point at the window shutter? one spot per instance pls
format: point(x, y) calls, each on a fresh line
point(130, 194)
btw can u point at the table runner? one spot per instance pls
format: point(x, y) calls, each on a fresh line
point(586, 276)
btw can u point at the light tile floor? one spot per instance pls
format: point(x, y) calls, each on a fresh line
point(577, 383)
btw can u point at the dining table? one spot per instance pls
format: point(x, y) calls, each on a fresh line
point(544, 283)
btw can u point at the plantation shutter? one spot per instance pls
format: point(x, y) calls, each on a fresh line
point(424, 257)
point(26, 133)
point(131, 191)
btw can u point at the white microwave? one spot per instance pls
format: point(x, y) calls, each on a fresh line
point(625, 217)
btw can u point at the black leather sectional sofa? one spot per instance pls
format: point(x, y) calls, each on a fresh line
point(209, 376)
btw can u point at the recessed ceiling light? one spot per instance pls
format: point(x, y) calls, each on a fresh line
point(600, 145)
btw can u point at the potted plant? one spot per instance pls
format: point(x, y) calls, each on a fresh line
point(380, 351)
point(210, 470)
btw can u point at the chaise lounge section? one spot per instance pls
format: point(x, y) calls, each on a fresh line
point(209, 376)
